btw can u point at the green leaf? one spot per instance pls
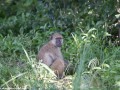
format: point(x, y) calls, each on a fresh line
point(117, 16)
point(96, 68)
point(105, 65)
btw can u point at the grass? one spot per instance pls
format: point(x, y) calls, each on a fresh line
point(97, 64)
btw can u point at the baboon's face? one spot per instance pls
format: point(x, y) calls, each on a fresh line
point(57, 39)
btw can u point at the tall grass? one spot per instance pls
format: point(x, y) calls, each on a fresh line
point(97, 64)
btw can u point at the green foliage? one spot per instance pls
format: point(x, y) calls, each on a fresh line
point(85, 26)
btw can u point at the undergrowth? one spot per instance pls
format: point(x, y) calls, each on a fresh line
point(96, 65)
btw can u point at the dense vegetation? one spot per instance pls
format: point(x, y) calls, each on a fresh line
point(91, 43)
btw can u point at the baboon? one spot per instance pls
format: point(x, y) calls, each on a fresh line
point(50, 54)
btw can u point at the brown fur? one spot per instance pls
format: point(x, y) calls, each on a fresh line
point(58, 66)
point(51, 55)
